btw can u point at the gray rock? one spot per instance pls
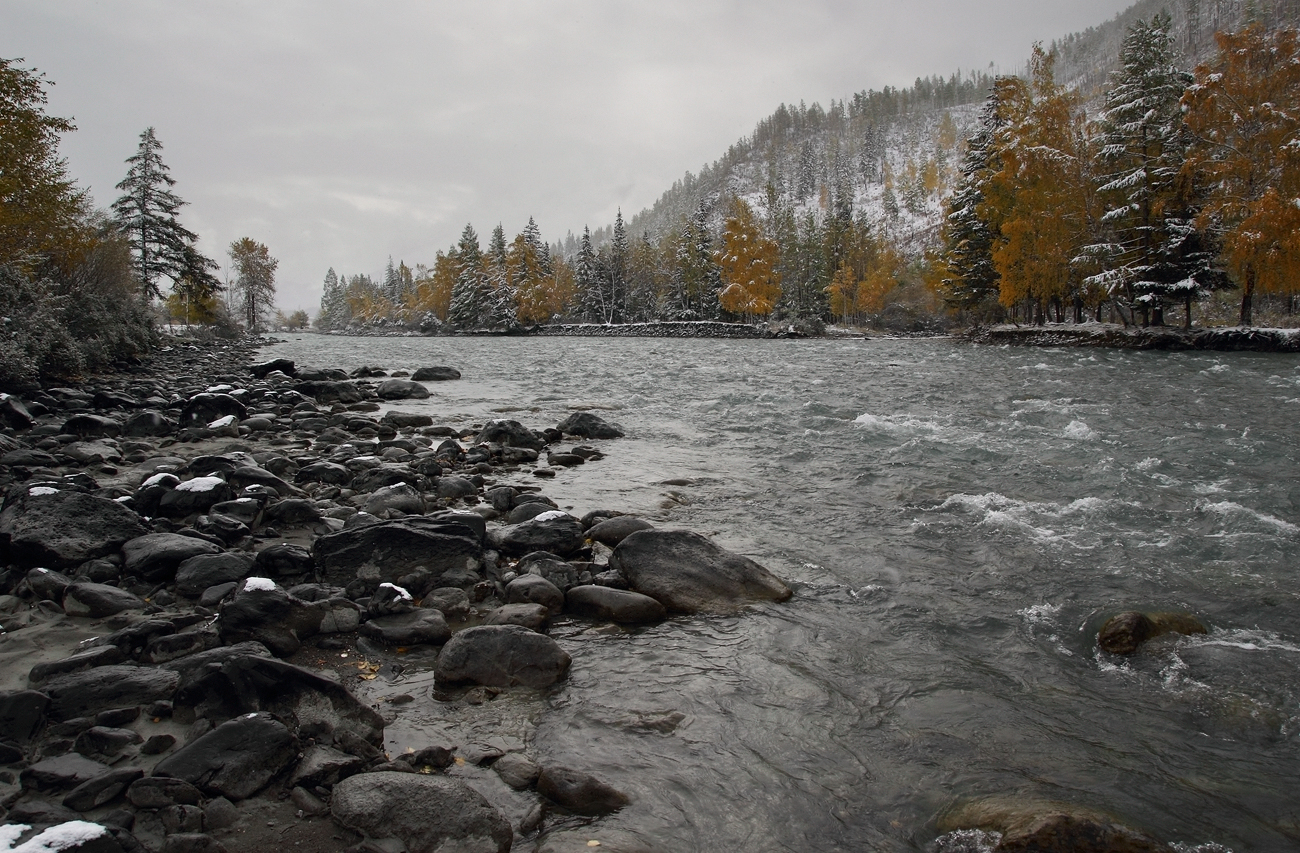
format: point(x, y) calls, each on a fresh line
point(22, 713)
point(102, 789)
point(612, 531)
point(502, 656)
point(451, 601)
point(535, 589)
point(262, 368)
point(455, 487)
point(579, 792)
point(423, 626)
point(517, 770)
point(555, 531)
point(324, 766)
point(271, 617)
point(1125, 632)
point(14, 414)
point(97, 600)
point(285, 561)
point(118, 686)
point(61, 772)
point(92, 426)
point(199, 494)
point(99, 741)
point(511, 434)
point(587, 425)
point(686, 572)
point(156, 556)
point(324, 472)
point(406, 420)
point(148, 423)
point(401, 389)
point(428, 814)
point(202, 409)
point(236, 759)
point(435, 374)
point(534, 617)
point(197, 573)
point(159, 792)
point(387, 474)
point(293, 511)
point(401, 497)
point(88, 659)
point(47, 585)
point(389, 550)
point(65, 529)
point(614, 605)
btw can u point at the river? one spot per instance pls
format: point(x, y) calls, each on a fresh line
point(956, 521)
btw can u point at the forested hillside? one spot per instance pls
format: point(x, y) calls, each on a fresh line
point(852, 212)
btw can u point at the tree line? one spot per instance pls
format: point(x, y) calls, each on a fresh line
point(1186, 183)
point(82, 288)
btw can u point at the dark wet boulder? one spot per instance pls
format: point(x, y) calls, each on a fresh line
point(501, 656)
point(286, 561)
point(387, 551)
point(424, 626)
point(388, 474)
point(1125, 632)
point(229, 682)
point(401, 389)
point(119, 686)
point(399, 497)
point(236, 759)
point(155, 557)
point(525, 614)
point(686, 572)
point(612, 531)
point(61, 772)
point(587, 425)
point(323, 765)
point(243, 476)
point(77, 662)
point(148, 423)
point(97, 600)
point(517, 770)
point(13, 413)
point(406, 420)
point(579, 792)
point(261, 369)
point(455, 487)
point(613, 605)
point(555, 531)
point(535, 589)
point(47, 585)
point(324, 472)
point(511, 434)
point(202, 409)
point(27, 458)
point(330, 391)
point(195, 495)
point(22, 714)
point(1037, 826)
point(524, 511)
point(292, 511)
point(197, 573)
point(92, 426)
point(425, 813)
point(61, 529)
point(435, 374)
point(159, 792)
point(265, 613)
point(101, 789)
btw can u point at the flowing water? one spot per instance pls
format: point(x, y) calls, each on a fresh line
point(957, 521)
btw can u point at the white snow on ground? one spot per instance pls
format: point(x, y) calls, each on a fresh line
point(56, 838)
point(258, 584)
point(201, 484)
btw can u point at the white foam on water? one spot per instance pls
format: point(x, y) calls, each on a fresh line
point(1148, 463)
point(1246, 639)
point(1228, 509)
point(1040, 614)
point(1078, 431)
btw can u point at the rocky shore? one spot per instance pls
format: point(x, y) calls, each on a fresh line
point(206, 562)
point(1233, 339)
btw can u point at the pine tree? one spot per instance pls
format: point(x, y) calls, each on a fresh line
point(254, 286)
point(618, 260)
point(592, 304)
point(1142, 148)
point(147, 213)
point(470, 294)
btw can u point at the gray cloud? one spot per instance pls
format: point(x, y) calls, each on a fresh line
point(341, 133)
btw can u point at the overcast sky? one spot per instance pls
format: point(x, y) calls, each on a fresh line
point(340, 133)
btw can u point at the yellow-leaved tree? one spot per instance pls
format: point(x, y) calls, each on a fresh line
point(1244, 113)
point(751, 281)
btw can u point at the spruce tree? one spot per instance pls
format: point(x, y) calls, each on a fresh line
point(469, 296)
point(591, 296)
point(147, 213)
point(968, 232)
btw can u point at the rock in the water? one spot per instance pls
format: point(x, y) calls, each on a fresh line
point(435, 374)
point(534, 617)
point(1124, 633)
point(236, 759)
point(65, 528)
point(118, 686)
point(612, 531)
point(553, 531)
point(686, 572)
point(401, 389)
point(428, 814)
point(517, 770)
point(502, 656)
point(97, 600)
point(423, 626)
point(579, 792)
point(329, 391)
point(385, 552)
point(156, 556)
point(261, 369)
point(587, 425)
point(614, 605)
point(1030, 826)
point(511, 434)
point(406, 420)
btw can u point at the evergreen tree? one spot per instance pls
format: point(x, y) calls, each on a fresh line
point(968, 233)
point(1141, 150)
point(593, 307)
point(254, 281)
point(147, 213)
point(471, 294)
point(618, 261)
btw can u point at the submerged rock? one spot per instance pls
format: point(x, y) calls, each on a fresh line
point(579, 792)
point(427, 814)
point(587, 425)
point(1125, 632)
point(1037, 826)
point(686, 572)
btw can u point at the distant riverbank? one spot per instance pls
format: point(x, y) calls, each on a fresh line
point(1223, 339)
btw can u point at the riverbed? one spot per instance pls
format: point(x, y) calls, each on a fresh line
point(956, 521)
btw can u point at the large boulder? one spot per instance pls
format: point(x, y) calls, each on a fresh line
point(199, 494)
point(511, 434)
point(1037, 826)
point(587, 425)
point(265, 613)
point(202, 409)
point(204, 570)
point(579, 792)
point(435, 374)
point(401, 389)
point(60, 529)
point(613, 605)
point(502, 656)
point(428, 814)
point(156, 556)
point(236, 759)
point(614, 530)
point(386, 551)
point(330, 391)
point(425, 626)
point(1124, 633)
point(554, 531)
point(229, 682)
point(97, 600)
point(685, 572)
point(120, 686)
